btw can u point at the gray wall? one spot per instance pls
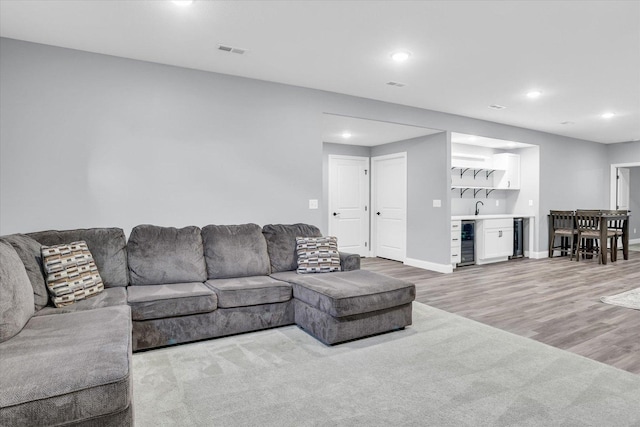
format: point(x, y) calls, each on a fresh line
point(428, 166)
point(90, 140)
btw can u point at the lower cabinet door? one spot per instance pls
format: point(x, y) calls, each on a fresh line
point(498, 242)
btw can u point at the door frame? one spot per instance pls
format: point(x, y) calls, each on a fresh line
point(613, 192)
point(372, 222)
point(366, 227)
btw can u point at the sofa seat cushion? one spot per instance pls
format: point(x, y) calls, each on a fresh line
point(107, 245)
point(165, 255)
point(108, 298)
point(245, 291)
point(177, 299)
point(347, 293)
point(67, 368)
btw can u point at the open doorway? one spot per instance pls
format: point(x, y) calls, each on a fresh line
point(625, 194)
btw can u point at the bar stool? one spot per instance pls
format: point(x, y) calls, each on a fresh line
point(562, 224)
point(588, 224)
point(616, 225)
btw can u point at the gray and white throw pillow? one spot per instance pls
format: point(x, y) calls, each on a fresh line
point(71, 273)
point(317, 254)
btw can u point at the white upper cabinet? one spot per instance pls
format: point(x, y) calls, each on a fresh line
point(507, 167)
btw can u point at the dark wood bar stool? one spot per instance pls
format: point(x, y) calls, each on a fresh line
point(616, 225)
point(588, 223)
point(562, 224)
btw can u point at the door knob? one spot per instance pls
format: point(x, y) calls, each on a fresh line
point(377, 213)
point(336, 213)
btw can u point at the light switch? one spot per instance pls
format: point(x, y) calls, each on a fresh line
point(313, 203)
point(530, 202)
point(497, 202)
point(437, 203)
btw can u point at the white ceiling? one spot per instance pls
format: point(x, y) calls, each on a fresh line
point(583, 55)
point(368, 133)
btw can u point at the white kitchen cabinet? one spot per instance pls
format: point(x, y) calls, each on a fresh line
point(494, 240)
point(509, 176)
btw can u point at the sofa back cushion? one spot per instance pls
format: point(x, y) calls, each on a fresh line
point(16, 293)
point(29, 252)
point(281, 244)
point(235, 251)
point(107, 245)
point(165, 255)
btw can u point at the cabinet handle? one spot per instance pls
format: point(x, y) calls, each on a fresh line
point(454, 239)
point(500, 233)
point(454, 255)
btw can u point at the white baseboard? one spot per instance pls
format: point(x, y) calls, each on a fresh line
point(538, 255)
point(426, 265)
point(634, 241)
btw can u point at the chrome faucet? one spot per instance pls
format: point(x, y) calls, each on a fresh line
point(477, 209)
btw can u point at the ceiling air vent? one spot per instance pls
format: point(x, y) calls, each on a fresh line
point(231, 49)
point(397, 84)
point(497, 107)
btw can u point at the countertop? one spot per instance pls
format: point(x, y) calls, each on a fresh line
point(497, 216)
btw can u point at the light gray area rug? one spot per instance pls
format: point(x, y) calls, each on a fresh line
point(629, 299)
point(444, 370)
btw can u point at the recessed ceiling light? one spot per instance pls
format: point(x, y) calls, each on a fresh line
point(346, 135)
point(182, 2)
point(397, 84)
point(400, 55)
point(534, 94)
point(608, 115)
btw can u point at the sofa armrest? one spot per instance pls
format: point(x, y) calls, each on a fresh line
point(349, 262)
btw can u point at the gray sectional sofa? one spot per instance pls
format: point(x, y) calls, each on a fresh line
point(164, 286)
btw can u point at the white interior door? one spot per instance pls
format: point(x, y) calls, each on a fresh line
point(349, 203)
point(622, 190)
point(389, 213)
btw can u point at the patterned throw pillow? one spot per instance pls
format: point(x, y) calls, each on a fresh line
point(71, 273)
point(317, 254)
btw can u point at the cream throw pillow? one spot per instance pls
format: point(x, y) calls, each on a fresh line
point(71, 273)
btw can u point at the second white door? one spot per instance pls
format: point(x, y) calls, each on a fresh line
point(389, 206)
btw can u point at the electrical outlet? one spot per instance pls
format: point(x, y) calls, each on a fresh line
point(437, 203)
point(497, 202)
point(313, 203)
point(635, 230)
point(530, 202)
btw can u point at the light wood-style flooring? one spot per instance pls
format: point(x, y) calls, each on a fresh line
point(554, 301)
